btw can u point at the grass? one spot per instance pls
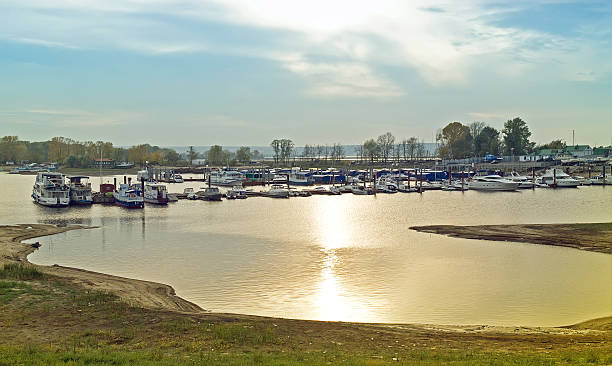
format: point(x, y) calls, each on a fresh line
point(45, 320)
point(19, 271)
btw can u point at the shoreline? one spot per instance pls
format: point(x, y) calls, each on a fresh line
point(593, 237)
point(158, 296)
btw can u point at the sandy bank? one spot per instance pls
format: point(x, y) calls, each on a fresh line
point(144, 294)
point(596, 237)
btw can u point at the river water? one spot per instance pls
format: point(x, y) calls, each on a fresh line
point(349, 258)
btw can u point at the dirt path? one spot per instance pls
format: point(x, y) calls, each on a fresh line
point(592, 237)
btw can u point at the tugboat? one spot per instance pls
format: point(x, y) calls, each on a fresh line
point(127, 197)
point(155, 193)
point(50, 189)
point(80, 191)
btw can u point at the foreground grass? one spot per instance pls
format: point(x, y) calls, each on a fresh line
point(45, 320)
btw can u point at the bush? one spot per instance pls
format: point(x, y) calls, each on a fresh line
point(20, 271)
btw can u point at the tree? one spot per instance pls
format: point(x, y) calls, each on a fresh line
point(371, 150)
point(243, 155)
point(455, 140)
point(386, 143)
point(410, 147)
point(257, 155)
point(216, 155)
point(276, 146)
point(171, 157)
point(476, 128)
point(516, 137)
point(286, 148)
point(555, 144)
point(337, 152)
point(487, 142)
point(138, 154)
point(12, 149)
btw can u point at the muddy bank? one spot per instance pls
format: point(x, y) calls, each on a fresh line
point(595, 237)
point(139, 293)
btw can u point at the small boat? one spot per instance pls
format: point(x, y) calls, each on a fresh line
point(525, 183)
point(173, 197)
point(492, 183)
point(176, 178)
point(455, 185)
point(404, 186)
point(190, 193)
point(346, 188)
point(278, 191)
point(209, 194)
point(226, 178)
point(237, 192)
point(600, 181)
point(360, 190)
point(50, 189)
point(80, 190)
point(155, 193)
point(386, 185)
point(125, 196)
point(430, 185)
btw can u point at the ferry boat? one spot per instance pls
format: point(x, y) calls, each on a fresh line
point(156, 193)
point(127, 197)
point(50, 189)
point(226, 177)
point(556, 178)
point(492, 183)
point(80, 190)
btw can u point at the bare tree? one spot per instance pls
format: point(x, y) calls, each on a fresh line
point(386, 142)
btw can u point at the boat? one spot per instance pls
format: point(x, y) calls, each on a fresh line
point(176, 178)
point(455, 185)
point(155, 193)
point(404, 186)
point(360, 190)
point(430, 185)
point(226, 177)
point(599, 180)
point(300, 178)
point(583, 181)
point(525, 183)
point(556, 178)
point(209, 194)
point(386, 185)
point(492, 183)
point(345, 188)
point(190, 193)
point(50, 189)
point(237, 192)
point(80, 190)
point(278, 191)
point(125, 196)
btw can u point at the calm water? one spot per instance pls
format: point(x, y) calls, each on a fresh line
point(343, 257)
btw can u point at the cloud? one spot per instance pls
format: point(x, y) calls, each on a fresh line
point(445, 42)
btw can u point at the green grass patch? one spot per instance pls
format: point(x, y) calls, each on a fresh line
point(19, 271)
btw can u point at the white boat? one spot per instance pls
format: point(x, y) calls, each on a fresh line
point(50, 189)
point(278, 191)
point(80, 190)
point(190, 193)
point(176, 178)
point(386, 185)
point(280, 179)
point(523, 180)
point(300, 178)
point(359, 189)
point(226, 177)
point(155, 193)
point(556, 178)
point(209, 194)
point(455, 185)
point(600, 181)
point(404, 186)
point(492, 183)
point(127, 197)
point(583, 181)
point(236, 192)
point(430, 185)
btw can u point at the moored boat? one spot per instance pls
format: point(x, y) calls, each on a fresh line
point(125, 196)
point(155, 193)
point(556, 178)
point(80, 190)
point(492, 183)
point(209, 194)
point(50, 189)
point(277, 191)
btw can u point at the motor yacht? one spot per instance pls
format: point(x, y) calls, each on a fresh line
point(226, 178)
point(278, 191)
point(525, 182)
point(492, 183)
point(556, 178)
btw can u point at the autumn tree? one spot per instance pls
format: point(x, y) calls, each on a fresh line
point(455, 141)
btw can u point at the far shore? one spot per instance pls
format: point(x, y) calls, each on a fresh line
point(159, 300)
point(594, 237)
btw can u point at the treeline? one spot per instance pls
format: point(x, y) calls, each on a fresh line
point(81, 154)
point(457, 141)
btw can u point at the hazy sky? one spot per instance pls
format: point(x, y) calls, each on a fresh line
point(236, 72)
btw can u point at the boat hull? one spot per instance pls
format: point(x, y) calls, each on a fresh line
point(51, 202)
point(129, 204)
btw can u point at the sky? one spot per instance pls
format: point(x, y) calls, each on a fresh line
point(244, 72)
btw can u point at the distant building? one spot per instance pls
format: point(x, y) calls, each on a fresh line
point(578, 150)
point(104, 163)
point(199, 162)
point(603, 151)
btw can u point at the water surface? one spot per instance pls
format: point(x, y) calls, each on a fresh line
point(346, 257)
